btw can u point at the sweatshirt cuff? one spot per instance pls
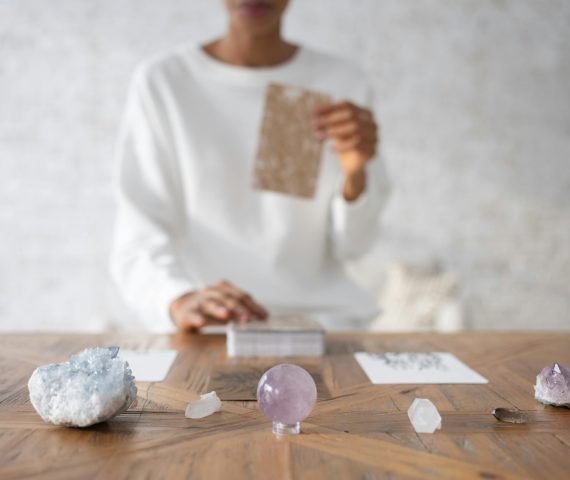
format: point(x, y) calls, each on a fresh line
point(343, 210)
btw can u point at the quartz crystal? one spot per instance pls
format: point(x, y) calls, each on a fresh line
point(286, 394)
point(93, 386)
point(510, 416)
point(553, 386)
point(207, 404)
point(424, 416)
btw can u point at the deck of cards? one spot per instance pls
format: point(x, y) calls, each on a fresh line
point(285, 336)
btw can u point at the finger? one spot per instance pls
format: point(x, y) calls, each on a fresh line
point(346, 129)
point(333, 117)
point(248, 302)
point(226, 294)
point(245, 299)
point(330, 107)
point(357, 140)
point(366, 148)
point(254, 307)
point(199, 319)
point(222, 297)
point(341, 115)
point(215, 309)
point(350, 128)
point(239, 311)
point(191, 321)
point(348, 143)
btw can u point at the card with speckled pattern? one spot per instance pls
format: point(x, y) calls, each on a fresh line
point(289, 155)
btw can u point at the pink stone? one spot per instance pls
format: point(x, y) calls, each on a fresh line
point(286, 394)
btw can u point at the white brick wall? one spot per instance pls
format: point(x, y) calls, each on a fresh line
point(474, 98)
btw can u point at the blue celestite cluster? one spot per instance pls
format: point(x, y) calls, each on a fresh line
point(93, 386)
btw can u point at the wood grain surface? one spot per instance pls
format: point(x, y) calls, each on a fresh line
point(357, 430)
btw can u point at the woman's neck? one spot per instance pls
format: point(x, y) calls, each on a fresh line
point(247, 50)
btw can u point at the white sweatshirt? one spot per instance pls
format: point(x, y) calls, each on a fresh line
point(188, 216)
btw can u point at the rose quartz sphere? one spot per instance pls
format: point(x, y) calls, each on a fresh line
point(286, 393)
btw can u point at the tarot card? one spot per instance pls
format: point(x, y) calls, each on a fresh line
point(289, 155)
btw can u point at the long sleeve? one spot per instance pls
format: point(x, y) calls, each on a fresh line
point(145, 264)
point(188, 214)
point(355, 225)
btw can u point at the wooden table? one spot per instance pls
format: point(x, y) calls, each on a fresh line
point(361, 431)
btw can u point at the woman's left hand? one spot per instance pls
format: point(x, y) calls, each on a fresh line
point(355, 135)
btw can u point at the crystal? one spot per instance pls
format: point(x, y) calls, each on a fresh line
point(424, 416)
point(510, 416)
point(207, 404)
point(91, 387)
point(553, 386)
point(286, 394)
point(114, 351)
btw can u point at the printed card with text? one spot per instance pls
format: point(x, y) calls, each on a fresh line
point(415, 367)
point(289, 156)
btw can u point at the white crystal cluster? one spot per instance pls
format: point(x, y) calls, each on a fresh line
point(93, 386)
point(208, 404)
point(424, 416)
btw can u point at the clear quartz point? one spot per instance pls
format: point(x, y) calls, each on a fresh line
point(208, 404)
point(424, 416)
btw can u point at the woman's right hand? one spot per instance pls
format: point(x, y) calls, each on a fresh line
point(214, 305)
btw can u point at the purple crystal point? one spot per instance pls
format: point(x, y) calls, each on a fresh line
point(286, 394)
point(553, 385)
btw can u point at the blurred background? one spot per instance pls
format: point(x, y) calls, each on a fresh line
point(474, 102)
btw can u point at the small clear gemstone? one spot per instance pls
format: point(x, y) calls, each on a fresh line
point(424, 416)
point(553, 385)
point(286, 394)
point(207, 404)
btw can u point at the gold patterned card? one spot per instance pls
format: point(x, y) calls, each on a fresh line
point(289, 155)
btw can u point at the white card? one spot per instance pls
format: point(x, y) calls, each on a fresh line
point(410, 367)
point(152, 366)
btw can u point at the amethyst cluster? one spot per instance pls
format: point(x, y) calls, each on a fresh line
point(553, 386)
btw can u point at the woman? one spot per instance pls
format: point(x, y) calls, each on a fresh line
point(187, 215)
